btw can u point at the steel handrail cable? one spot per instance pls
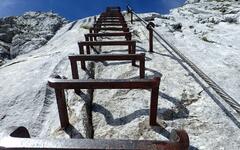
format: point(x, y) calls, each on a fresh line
point(225, 96)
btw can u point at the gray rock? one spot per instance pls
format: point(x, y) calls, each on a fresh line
point(176, 27)
point(28, 32)
point(3, 53)
point(231, 18)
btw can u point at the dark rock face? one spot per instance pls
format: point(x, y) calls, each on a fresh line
point(176, 26)
point(22, 34)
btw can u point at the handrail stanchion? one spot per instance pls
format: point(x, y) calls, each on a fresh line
point(131, 13)
point(62, 107)
point(154, 102)
point(95, 19)
point(150, 27)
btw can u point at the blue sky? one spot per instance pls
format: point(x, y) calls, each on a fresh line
point(76, 9)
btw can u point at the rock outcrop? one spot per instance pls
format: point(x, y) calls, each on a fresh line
point(22, 34)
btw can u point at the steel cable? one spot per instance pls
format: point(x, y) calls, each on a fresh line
point(233, 103)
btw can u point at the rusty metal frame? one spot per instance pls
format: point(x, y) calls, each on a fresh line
point(61, 84)
point(116, 15)
point(113, 18)
point(131, 45)
point(111, 21)
point(99, 25)
point(104, 57)
point(18, 138)
point(92, 36)
point(117, 18)
point(111, 13)
point(96, 30)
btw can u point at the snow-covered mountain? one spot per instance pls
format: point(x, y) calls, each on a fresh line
point(207, 32)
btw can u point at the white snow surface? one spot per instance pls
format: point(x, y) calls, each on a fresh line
point(185, 101)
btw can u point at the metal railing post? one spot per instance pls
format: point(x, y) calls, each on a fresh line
point(150, 27)
point(81, 51)
point(131, 17)
point(95, 19)
point(129, 11)
point(74, 69)
point(62, 107)
point(154, 102)
point(142, 66)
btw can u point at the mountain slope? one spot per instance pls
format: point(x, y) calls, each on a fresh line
point(185, 101)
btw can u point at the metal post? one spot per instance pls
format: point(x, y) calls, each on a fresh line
point(81, 49)
point(150, 27)
point(154, 102)
point(133, 51)
point(74, 72)
point(95, 19)
point(88, 47)
point(131, 17)
point(142, 66)
point(62, 107)
point(131, 13)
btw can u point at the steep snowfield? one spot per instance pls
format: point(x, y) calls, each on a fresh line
point(185, 101)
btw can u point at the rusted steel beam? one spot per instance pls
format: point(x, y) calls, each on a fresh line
point(108, 34)
point(131, 45)
point(62, 107)
point(111, 17)
point(131, 18)
point(154, 102)
point(116, 18)
point(104, 83)
point(99, 25)
point(110, 21)
point(111, 14)
point(112, 57)
point(61, 84)
point(91, 36)
point(107, 43)
point(179, 140)
point(96, 30)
